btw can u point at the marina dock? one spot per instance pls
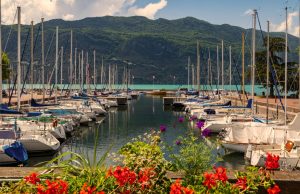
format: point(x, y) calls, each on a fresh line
point(170, 100)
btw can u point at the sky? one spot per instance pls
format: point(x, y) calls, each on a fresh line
point(233, 12)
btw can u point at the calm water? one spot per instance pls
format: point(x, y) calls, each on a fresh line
point(124, 123)
point(258, 88)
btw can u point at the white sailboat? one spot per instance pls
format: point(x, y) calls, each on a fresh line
point(288, 150)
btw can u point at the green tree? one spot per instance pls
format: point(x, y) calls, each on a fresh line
point(5, 66)
point(277, 49)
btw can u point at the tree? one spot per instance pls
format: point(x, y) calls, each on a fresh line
point(5, 67)
point(277, 49)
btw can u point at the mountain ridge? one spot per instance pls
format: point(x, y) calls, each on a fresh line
point(156, 47)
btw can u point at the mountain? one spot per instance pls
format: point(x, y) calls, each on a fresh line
point(152, 47)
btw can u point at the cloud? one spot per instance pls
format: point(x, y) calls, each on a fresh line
point(68, 17)
point(150, 10)
point(292, 21)
point(248, 12)
point(76, 9)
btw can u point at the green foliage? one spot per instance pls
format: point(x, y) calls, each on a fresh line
point(194, 157)
point(5, 66)
point(277, 48)
point(144, 172)
point(146, 153)
point(155, 47)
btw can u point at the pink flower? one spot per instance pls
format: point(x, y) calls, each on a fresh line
point(162, 128)
point(180, 119)
point(206, 132)
point(200, 124)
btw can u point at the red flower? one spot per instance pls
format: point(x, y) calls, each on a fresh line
point(209, 180)
point(272, 162)
point(109, 172)
point(101, 192)
point(32, 178)
point(87, 189)
point(40, 189)
point(241, 183)
point(53, 187)
point(124, 176)
point(126, 192)
point(176, 188)
point(274, 190)
point(221, 174)
point(187, 190)
point(144, 176)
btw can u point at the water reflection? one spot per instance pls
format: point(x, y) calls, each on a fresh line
point(126, 122)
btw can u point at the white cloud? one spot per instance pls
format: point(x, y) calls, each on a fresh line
point(293, 26)
point(76, 9)
point(248, 12)
point(150, 10)
point(68, 17)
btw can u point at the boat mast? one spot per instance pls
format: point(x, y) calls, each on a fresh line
point(31, 59)
point(43, 62)
point(218, 69)
point(253, 58)
point(188, 68)
point(285, 69)
point(268, 69)
point(87, 79)
point(222, 65)
point(299, 59)
point(230, 69)
point(198, 67)
point(109, 78)
point(102, 72)
point(82, 86)
point(56, 63)
point(95, 69)
point(1, 87)
point(61, 69)
point(71, 59)
point(208, 64)
point(19, 58)
point(243, 66)
point(75, 68)
point(193, 76)
point(79, 70)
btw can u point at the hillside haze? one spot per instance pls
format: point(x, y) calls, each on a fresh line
point(152, 47)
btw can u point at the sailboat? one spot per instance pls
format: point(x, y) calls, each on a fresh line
point(289, 150)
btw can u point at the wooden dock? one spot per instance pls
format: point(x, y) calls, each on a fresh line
point(169, 100)
point(120, 100)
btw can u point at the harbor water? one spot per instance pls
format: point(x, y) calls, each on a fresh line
point(124, 123)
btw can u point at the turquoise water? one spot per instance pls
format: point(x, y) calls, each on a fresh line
point(258, 88)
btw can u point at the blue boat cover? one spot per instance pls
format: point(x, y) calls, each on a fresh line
point(80, 97)
point(35, 104)
point(16, 151)
point(249, 105)
point(192, 92)
point(225, 104)
point(5, 110)
point(34, 114)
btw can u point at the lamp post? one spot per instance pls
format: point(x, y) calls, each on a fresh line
point(174, 78)
point(153, 77)
point(132, 81)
